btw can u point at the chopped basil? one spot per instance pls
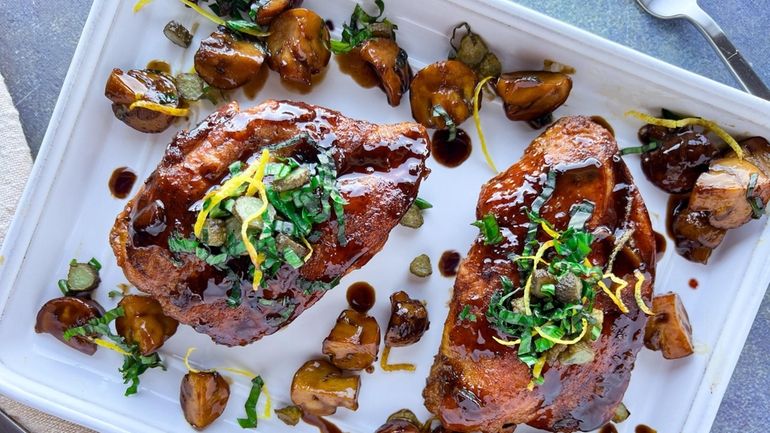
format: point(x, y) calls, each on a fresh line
point(535, 220)
point(466, 314)
point(449, 123)
point(757, 207)
point(251, 404)
point(490, 231)
point(652, 145)
point(580, 214)
point(362, 27)
point(422, 204)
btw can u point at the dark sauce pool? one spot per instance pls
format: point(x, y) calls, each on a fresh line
point(644, 429)
point(450, 153)
point(448, 263)
point(361, 296)
point(121, 182)
point(660, 245)
point(322, 424)
point(693, 283)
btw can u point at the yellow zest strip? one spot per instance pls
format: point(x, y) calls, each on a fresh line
point(638, 293)
point(477, 121)
point(187, 361)
point(256, 258)
point(267, 413)
point(528, 286)
point(310, 249)
point(708, 124)
point(537, 369)
point(507, 343)
point(216, 196)
point(140, 4)
point(160, 108)
point(622, 284)
point(560, 341)
point(551, 232)
point(213, 18)
point(618, 302)
point(393, 367)
point(110, 345)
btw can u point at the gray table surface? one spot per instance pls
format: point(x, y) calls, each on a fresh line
point(40, 36)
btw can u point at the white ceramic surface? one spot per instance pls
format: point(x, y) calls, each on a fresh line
point(67, 212)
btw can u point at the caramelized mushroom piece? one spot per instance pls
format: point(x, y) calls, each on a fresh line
point(693, 236)
point(391, 65)
point(681, 156)
point(669, 330)
point(267, 10)
point(723, 192)
point(449, 84)
point(125, 88)
point(203, 396)
point(60, 314)
point(353, 342)
point(529, 95)
point(298, 45)
point(319, 388)
point(757, 151)
point(226, 61)
point(403, 421)
point(144, 323)
point(408, 320)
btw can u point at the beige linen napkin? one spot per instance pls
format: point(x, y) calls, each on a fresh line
point(17, 162)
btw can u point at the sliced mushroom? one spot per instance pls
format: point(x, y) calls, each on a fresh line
point(449, 84)
point(267, 10)
point(669, 330)
point(203, 396)
point(408, 320)
point(529, 95)
point(694, 237)
point(60, 314)
point(391, 64)
point(226, 61)
point(319, 388)
point(353, 342)
point(757, 151)
point(722, 192)
point(144, 323)
point(125, 88)
point(681, 156)
point(298, 45)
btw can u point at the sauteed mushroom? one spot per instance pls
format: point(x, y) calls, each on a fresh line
point(449, 84)
point(529, 95)
point(298, 45)
point(408, 320)
point(60, 314)
point(144, 323)
point(267, 10)
point(353, 342)
point(390, 63)
point(319, 388)
point(694, 237)
point(203, 396)
point(403, 421)
point(226, 61)
point(125, 88)
point(669, 330)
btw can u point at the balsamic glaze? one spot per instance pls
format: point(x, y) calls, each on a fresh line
point(362, 73)
point(644, 429)
point(609, 428)
point(448, 263)
point(121, 182)
point(450, 153)
point(693, 283)
point(361, 296)
point(660, 245)
point(323, 425)
point(253, 86)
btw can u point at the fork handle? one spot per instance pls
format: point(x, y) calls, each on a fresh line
point(738, 65)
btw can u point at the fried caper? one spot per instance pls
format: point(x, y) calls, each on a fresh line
point(391, 65)
point(203, 397)
point(144, 323)
point(319, 388)
point(60, 314)
point(354, 341)
point(298, 45)
point(528, 95)
point(449, 84)
point(226, 61)
point(408, 320)
point(125, 88)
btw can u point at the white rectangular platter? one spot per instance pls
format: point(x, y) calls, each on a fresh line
point(67, 212)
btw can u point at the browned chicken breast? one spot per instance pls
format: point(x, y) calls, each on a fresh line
point(378, 167)
point(478, 384)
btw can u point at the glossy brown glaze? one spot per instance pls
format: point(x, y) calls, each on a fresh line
point(226, 61)
point(252, 88)
point(450, 153)
point(693, 283)
point(379, 172)
point(644, 429)
point(125, 88)
point(361, 296)
point(408, 320)
point(319, 388)
point(298, 45)
point(60, 314)
point(478, 384)
point(144, 323)
point(354, 341)
point(322, 424)
point(353, 65)
point(529, 95)
point(391, 65)
point(203, 397)
point(121, 182)
point(448, 263)
point(609, 428)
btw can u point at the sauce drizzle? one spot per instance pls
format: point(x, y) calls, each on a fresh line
point(693, 283)
point(121, 182)
point(448, 263)
point(361, 296)
point(608, 428)
point(644, 429)
point(323, 425)
point(450, 153)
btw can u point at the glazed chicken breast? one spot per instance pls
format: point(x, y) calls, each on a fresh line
point(479, 384)
point(378, 171)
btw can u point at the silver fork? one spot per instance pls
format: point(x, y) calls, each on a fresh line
point(689, 9)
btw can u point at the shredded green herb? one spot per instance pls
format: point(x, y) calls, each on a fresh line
point(243, 14)
point(134, 364)
point(422, 204)
point(534, 221)
point(757, 207)
point(466, 314)
point(251, 404)
point(490, 231)
point(360, 28)
point(449, 123)
point(580, 214)
point(652, 145)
